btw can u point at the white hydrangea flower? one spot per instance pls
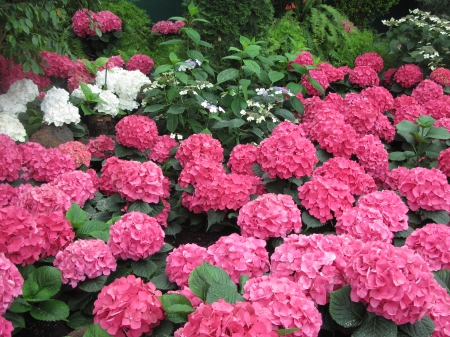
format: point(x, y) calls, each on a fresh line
point(9, 106)
point(57, 108)
point(24, 90)
point(12, 127)
point(112, 103)
point(78, 93)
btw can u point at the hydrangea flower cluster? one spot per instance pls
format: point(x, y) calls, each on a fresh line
point(304, 58)
point(373, 157)
point(224, 319)
point(318, 75)
point(11, 283)
point(407, 108)
point(269, 215)
point(441, 76)
point(44, 198)
point(135, 236)
point(200, 145)
point(10, 160)
point(57, 108)
point(111, 101)
point(84, 258)
point(182, 261)
point(136, 131)
point(78, 151)
point(287, 305)
point(380, 97)
point(242, 158)
point(427, 90)
point(78, 185)
point(239, 255)
point(372, 60)
point(101, 147)
point(8, 195)
point(160, 151)
point(408, 75)
point(444, 162)
point(56, 65)
point(19, 94)
point(364, 76)
point(12, 127)
point(333, 74)
point(140, 62)
point(438, 107)
point(104, 20)
point(128, 307)
point(388, 76)
point(168, 27)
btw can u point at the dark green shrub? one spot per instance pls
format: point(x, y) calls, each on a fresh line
point(436, 7)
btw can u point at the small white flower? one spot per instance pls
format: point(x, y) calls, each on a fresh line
point(243, 112)
point(250, 118)
point(204, 104)
point(172, 135)
point(179, 137)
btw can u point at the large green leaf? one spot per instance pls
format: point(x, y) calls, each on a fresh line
point(440, 217)
point(215, 217)
point(422, 328)
point(407, 126)
point(443, 278)
point(310, 221)
point(227, 75)
point(275, 76)
point(253, 66)
point(438, 133)
point(76, 215)
point(50, 311)
point(95, 330)
point(343, 310)
point(144, 268)
point(79, 320)
point(93, 285)
point(177, 307)
point(42, 284)
point(376, 326)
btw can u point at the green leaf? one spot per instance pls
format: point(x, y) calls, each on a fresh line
point(113, 203)
point(242, 281)
point(177, 307)
point(93, 285)
point(95, 330)
point(316, 84)
point(252, 51)
point(344, 311)
point(176, 109)
point(144, 268)
point(17, 320)
point(192, 34)
point(91, 226)
point(296, 104)
point(154, 108)
point(422, 328)
point(438, 133)
point(182, 76)
point(220, 125)
point(323, 155)
point(139, 206)
point(48, 282)
point(165, 329)
point(407, 126)
point(79, 320)
point(439, 217)
point(235, 123)
point(295, 88)
point(257, 170)
point(253, 66)
point(215, 217)
point(443, 278)
point(172, 123)
point(275, 76)
point(376, 326)
point(19, 305)
point(310, 221)
point(76, 215)
point(285, 114)
point(162, 282)
point(227, 75)
point(50, 311)
point(282, 332)
point(227, 292)
point(404, 234)
point(419, 138)
point(397, 156)
point(122, 151)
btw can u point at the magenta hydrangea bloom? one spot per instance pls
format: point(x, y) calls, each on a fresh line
point(136, 131)
point(444, 162)
point(78, 185)
point(443, 122)
point(168, 27)
point(373, 157)
point(199, 145)
point(288, 127)
point(304, 58)
point(285, 304)
point(8, 195)
point(269, 215)
point(140, 62)
point(56, 65)
point(407, 108)
point(432, 242)
point(393, 282)
point(438, 108)
point(11, 283)
point(113, 62)
point(364, 76)
point(128, 307)
point(6, 327)
point(239, 255)
point(408, 75)
point(182, 261)
point(10, 161)
point(320, 77)
point(427, 90)
point(101, 147)
point(160, 151)
point(380, 97)
point(135, 236)
point(333, 74)
point(78, 151)
point(224, 319)
point(20, 239)
point(388, 76)
point(371, 59)
point(441, 76)
point(84, 258)
point(440, 314)
point(200, 171)
point(44, 198)
point(242, 158)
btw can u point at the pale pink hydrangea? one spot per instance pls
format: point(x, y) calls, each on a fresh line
point(242, 158)
point(182, 261)
point(199, 145)
point(84, 258)
point(135, 236)
point(438, 108)
point(20, 239)
point(140, 62)
point(333, 74)
point(408, 75)
point(10, 161)
point(320, 77)
point(44, 198)
point(393, 282)
point(304, 58)
point(427, 90)
point(78, 151)
point(224, 319)
point(160, 150)
point(373, 157)
point(432, 242)
point(388, 76)
point(444, 162)
point(128, 307)
point(364, 76)
point(101, 147)
point(380, 97)
point(322, 196)
point(287, 305)
point(287, 155)
point(139, 132)
point(370, 59)
point(269, 215)
point(441, 76)
point(6, 327)
point(8, 195)
point(186, 292)
point(239, 255)
point(78, 185)
point(11, 283)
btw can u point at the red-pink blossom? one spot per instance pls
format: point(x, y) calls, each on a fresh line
point(84, 258)
point(364, 76)
point(101, 147)
point(407, 108)
point(288, 127)
point(388, 76)
point(128, 307)
point(200, 171)
point(44, 198)
point(56, 65)
point(224, 319)
point(444, 162)
point(135, 236)
point(104, 20)
point(438, 108)
point(335, 99)
point(8, 195)
point(443, 122)
point(287, 305)
point(239, 255)
point(199, 145)
point(113, 62)
point(320, 77)
point(427, 90)
point(182, 261)
point(243, 157)
point(78, 185)
point(136, 131)
point(10, 161)
point(408, 75)
point(140, 62)
point(373, 157)
point(80, 22)
point(432, 242)
point(304, 58)
point(441, 76)
point(345, 69)
point(380, 97)
point(79, 73)
point(78, 151)
point(11, 283)
point(168, 27)
point(333, 74)
point(372, 60)
point(160, 150)
point(440, 314)
point(108, 21)
point(6, 327)
point(20, 239)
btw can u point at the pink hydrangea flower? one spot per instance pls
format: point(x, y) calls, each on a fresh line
point(78, 185)
point(101, 147)
point(408, 75)
point(140, 62)
point(288, 127)
point(320, 77)
point(427, 90)
point(108, 21)
point(440, 314)
point(388, 76)
point(443, 122)
point(186, 292)
point(199, 145)
point(444, 162)
point(135, 236)
point(162, 217)
point(80, 22)
point(269, 215)
point(380, 97)
point(128, 307)
point(11, 283)
point(200, 171)
point(136, 131)
point(239, 255)
point(285, 156)
point(56, 65)
point(79, 73)
point(20, 239)
point(224, 319)
point(373, 157)
point(333, 74)
point(113, 62)
point(364, 76)
point(393, 282)
point(441, 76)
point(44, 198)
point(321, 196)
point(10, 162)
point(161, 148)
point(304, 58)
point(371, 59)
point(242, 158)
point(168, 27)
point(438, 108)
point(182, 261)
point(84, 258)
point(78, 151)
point(407, 108)
point(6, 327)
point(8, 195)
point(286, 303)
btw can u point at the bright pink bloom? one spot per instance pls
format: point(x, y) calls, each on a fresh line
point(6, 327)
point(288, 127)
point(8, 195)
point(182, 261)
point(128, 307)
point(162, 217)
point(11, 283)
point(80, 22)
point(444, 162)
point(372, 60)
point(408, 75)
point(243, 157)
point(239, 255)
point(320, 77)
point(199, 145)
point(84, 258)
point(78, 185)
point(56, 65)
point(140, 62)
point(286, 303)
point(135, 236)
point(79, 73)
point(44, 198)
point(438, 108)
point(373, 157)
point(427, 90)
point(10, 161)
point(20, 239)
point(78, 151)
point(440, 314)
point(113, 62)
point(168, 27)
point(443, 122)
point(200, 171)
point(333, 74)
point(137, 131)
point(108, 21)
point(364, 76)
point(304, 58)
point(407, 108)
point(380, 97)
point(441, 76)
point(160, 151)
point(101, 147)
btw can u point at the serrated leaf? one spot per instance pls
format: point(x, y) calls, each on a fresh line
point(227, 75)
point(257, 170)
point(177, 307)
point(407, 126)
point(397, 156)
point(76, 215)
point(154, 108)
point(285, 114)
point(404, 234)
point(122, 151)
point(275, 76)
point(221, 291)
point(253, 66)
point(376, 326)
point(162, 282)
point(438, 133)
point(113, 203)
point(296, 104)
point(323, 155)
point(422, 328)
point(343, 310)
point(20, 305)
point(17, 320)
point(92, 226)
point(79, 320)
point(282, 332)
point(176, 109)
point(172, 229)
point(93, 285)
point(443, 278)
point(166, 248)
point(48, 281)
point(95, 330)
point(50, 311)
point(215, 217)
point(144, 268)
point(235, 123)
point(439, 217)
point(310, 221)
point(139, 206)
